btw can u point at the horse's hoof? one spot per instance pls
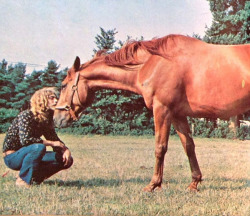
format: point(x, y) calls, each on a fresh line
point(192, 188)
point(158, 189)
point(148, 189)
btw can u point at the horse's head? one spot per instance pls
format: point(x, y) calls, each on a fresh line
point(74, 97)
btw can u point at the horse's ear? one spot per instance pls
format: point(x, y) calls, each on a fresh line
point(77, 63)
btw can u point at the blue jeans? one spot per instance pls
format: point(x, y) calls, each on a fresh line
point(35, 163)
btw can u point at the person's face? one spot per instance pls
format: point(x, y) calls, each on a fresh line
point(52, 101)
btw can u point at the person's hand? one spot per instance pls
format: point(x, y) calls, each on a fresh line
point(66, 157)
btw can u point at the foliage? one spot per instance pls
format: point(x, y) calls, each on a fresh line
point(106, 40)
point(6, 117)
point(222, 130)
point(231, 21)
point(243, 133)
point(120, 113)
point(202, 127)
point(212, 128)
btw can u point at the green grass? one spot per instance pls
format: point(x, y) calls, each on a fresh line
point(109, 174)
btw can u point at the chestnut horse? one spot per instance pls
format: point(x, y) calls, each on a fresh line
point(177, 76)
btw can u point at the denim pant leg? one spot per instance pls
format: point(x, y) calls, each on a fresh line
point(27, 160)
point(51, 163)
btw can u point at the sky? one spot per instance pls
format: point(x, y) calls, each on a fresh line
point(37, 31)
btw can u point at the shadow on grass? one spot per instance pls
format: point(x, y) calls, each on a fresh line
point(227, 183)
point(100, 182)
point(95, 182)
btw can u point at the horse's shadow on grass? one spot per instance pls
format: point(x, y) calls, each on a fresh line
point(228, 184)
point(95, 182)
point(100, 182)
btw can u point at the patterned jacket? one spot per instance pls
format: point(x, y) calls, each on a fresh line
point(25, 130)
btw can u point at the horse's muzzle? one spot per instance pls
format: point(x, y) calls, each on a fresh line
point(61, 119)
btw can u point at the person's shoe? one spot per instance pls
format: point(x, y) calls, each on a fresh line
point(22, 183)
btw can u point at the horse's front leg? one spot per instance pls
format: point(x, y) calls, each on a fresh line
point(162, 122)
point(183, 130)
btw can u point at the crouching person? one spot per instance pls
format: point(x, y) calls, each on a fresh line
point(25, 150)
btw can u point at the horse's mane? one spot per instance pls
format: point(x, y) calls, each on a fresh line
point(99, 55)
point(126, 55)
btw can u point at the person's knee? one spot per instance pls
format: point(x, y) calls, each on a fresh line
point(70, 163)
point(39, 148)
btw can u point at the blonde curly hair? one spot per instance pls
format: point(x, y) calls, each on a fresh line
point(39, 103)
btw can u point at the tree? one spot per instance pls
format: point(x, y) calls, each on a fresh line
point(49, 77)
point(18, 86)
point(60, 76)
point(11, 78)
point(5, 90)
point(231, 22)
point(105, 40)
point(12, 86)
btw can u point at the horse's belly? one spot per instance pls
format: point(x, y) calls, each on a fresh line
point(223, 107)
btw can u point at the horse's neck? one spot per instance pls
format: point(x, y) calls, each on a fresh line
point(112, 78)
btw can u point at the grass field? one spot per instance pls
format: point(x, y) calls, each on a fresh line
point(109, 174)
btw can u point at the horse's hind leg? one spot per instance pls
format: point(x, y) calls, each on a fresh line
point(183, 130)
